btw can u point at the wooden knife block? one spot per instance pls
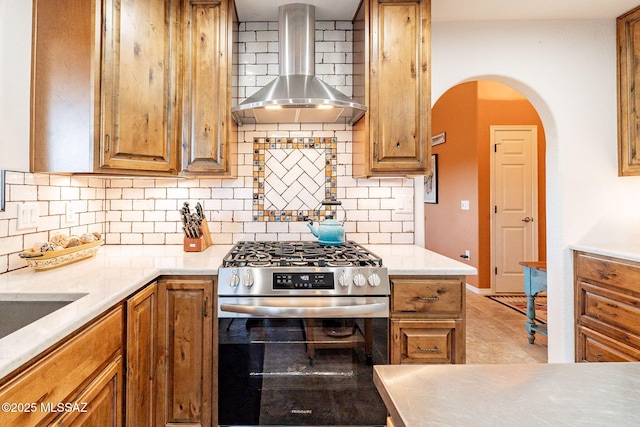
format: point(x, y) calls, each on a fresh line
point(202, 242)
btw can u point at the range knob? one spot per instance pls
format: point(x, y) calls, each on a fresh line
point(343, 280)
point(359, 279)
point(374, 279)
point(248, 280)
point(234, 280)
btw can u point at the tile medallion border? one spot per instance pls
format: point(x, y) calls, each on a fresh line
point(320, 213)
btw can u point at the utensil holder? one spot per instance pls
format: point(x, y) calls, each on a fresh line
point(201, 243)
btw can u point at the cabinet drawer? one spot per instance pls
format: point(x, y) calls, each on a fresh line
point(427, 297)
point(425, 341)
point(593, 346)
point(609, 312)
point(609, 271)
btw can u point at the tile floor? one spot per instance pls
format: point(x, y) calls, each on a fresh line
point(496, 334)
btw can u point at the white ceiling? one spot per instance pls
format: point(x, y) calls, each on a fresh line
point(454, 10)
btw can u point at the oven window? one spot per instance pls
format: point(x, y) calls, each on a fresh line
point(300, 371)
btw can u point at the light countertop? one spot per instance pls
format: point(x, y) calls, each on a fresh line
point(625, 250)
point(581, 394)
point(118, 271)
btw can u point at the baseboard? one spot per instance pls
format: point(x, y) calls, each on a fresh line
point(479, 291)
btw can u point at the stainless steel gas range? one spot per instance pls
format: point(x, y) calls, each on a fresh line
point(300, 326)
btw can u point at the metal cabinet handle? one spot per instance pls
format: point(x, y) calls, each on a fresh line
point(428, 298)
point(429, 350)
point(600, 309)
point(606, 275)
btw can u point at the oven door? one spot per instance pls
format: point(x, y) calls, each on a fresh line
point(301, 361)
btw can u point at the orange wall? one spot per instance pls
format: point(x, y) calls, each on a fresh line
point(448, 229)
point(466, 113)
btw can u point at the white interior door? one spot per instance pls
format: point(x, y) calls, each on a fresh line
point(515, 204)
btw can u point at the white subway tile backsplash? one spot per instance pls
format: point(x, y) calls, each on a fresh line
point(143, 227)
point(133, 193)
point(131, 239)
point(199, 193)
point(132, 216)
point(120, 205)
point(155, 193)
point(23, 193)
point(167, 205)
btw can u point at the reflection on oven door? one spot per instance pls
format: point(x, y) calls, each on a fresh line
point(300, 371)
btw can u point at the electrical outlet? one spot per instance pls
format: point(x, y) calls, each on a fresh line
point(28, 216)
point(464, 205)
point(70, 213)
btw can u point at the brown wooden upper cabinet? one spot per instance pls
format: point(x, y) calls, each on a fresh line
point(392, 70)
point(132, 87)
point(628, 36)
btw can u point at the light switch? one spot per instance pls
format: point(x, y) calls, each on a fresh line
point(404, 205)
point(70, 213)
point(464, 205)
point(28, 216)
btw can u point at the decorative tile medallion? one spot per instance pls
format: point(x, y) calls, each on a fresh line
point(292, 176)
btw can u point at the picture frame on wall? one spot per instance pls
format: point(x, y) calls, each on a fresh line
point(431, 182)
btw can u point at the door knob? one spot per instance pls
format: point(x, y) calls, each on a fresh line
point(527, 219)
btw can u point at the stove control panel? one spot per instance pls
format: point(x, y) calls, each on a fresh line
point(311, 281)
point(291, 281)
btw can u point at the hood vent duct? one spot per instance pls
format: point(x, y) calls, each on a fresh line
point(297, 95)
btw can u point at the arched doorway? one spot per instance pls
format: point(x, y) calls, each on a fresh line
point(461, 220)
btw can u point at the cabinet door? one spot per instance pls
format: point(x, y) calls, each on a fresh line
point(139, 85)
point(427, 341)
point(65, 85)
point(141, 357)
point(399, 96)
point(185, 349)
point(208, 140)
point(628, 31)
point(100, 404)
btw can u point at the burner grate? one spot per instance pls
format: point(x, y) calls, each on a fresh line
point(299, 254)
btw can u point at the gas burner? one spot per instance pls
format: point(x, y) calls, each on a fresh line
point(340, 263)
point(299, 254)
point(259, 263)
point(258, 257)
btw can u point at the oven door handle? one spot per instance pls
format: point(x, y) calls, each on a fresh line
point(294, 312)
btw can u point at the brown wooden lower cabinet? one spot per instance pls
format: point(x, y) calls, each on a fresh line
point(427, 319)
point(83, 373)
point(607, 308)
point(427, 341)
point(186, 369)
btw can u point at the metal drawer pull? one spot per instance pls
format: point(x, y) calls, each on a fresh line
point(606, 312)
point(429, 350)
point(428, 298)
point(606, 275)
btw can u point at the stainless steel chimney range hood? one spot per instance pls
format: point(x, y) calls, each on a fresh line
point(297, 95)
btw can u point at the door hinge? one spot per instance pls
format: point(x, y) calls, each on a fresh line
point(495, 209)
point(495, 270)
point(205, 308)
point(495, 148)
point(108, 146)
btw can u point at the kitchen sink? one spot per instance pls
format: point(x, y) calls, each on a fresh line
point(19, 310)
